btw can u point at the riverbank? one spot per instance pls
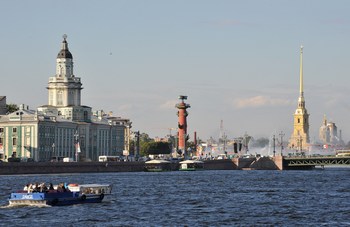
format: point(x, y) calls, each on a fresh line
point(13, 168)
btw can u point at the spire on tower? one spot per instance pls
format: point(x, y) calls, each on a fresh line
point(300, 137)
point(301, 101)
point(301, 72)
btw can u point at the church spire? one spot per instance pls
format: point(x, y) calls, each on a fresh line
point(301, 72)
point(301, 101)
point(300, 137)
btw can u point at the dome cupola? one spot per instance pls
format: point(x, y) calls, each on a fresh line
point(64, 53)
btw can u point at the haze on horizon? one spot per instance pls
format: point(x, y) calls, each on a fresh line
point(237, 61)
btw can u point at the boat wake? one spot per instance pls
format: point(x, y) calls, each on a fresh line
point(9, 206)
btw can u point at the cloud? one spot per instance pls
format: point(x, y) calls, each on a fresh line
point(259, 101)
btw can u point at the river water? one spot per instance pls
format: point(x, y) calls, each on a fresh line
point(202, 198)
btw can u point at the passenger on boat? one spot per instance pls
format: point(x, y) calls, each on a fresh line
point(35, 187)
point(26, 187)
point(30, 188)
point(43, 187)
point(51, 186)
point(62, 188)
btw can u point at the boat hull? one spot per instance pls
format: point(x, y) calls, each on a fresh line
point(53, 198)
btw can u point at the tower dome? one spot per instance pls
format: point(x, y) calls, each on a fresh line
point(64, 52)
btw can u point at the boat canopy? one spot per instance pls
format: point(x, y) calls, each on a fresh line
point(157, 161)
point(190, 162)
point(96, 188)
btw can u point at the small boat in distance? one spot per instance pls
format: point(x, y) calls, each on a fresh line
point(72, 194)
point(157, 165)
point(191, 165)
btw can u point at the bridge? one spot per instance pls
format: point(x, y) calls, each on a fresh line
point(301, 162)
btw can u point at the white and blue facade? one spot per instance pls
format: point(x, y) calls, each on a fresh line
point(54, 129)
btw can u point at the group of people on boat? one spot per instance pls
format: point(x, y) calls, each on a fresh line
point(42, 187)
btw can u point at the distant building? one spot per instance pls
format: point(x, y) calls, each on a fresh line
point(300, 138)
point(64, 127)
point(324, 134)
point(3, 108)
point(160, 139)
point(328, 133)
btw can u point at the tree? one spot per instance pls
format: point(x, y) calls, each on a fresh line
point(144, 147)
point(157, 148)
point(11, 108)
point(144, 137)
point(144, 140)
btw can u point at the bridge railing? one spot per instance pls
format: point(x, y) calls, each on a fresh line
point(317, 161)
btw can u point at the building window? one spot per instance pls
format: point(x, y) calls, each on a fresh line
point(85, 115)
point(14, 141)
point(298, 120)
point(14, 130)
point(1, 130)
point(59, 98)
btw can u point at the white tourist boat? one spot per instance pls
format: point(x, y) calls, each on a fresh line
point(157, 165)
point(191, 165)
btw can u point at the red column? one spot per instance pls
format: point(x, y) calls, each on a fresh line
point(182, 121)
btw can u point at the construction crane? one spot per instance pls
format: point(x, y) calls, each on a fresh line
point(170, 130)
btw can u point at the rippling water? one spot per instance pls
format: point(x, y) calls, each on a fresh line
point(203, 198)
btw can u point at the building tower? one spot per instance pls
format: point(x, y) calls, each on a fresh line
point(182, 122)
point(300, 137)
point(65, 89)
point(324, 134)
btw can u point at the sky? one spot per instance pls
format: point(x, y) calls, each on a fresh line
point(237, 61)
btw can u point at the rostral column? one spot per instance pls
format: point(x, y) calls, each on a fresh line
point(182, 123)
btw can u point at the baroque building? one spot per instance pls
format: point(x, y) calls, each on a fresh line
point(64, 127)
point(300, 138)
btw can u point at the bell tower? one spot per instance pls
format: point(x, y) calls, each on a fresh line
point(300, 137)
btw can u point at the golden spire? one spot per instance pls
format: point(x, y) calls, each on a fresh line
point(301, 100)
point(301, 72)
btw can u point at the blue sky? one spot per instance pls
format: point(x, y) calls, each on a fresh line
point(237, 61)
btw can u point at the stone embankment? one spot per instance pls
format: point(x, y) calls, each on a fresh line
point(11, 168)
